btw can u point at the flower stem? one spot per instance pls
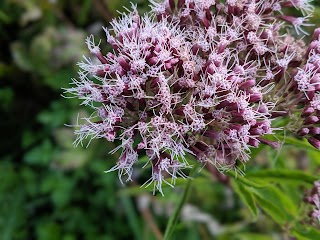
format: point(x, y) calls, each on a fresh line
point(174, 217)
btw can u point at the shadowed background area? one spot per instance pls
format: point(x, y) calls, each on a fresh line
point(50, 189)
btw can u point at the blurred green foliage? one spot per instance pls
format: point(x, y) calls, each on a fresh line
point(50, 190)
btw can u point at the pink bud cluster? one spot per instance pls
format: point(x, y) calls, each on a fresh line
point(307, 80)
point(313, 198)
point(200, 77)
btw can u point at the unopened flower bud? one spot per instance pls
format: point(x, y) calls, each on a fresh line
point(272, 144)
point(315, 35)
point(315, 130)
point(304, 131)
point(307, 112)
point(255, 97)
point(247, 84)
point(314, 142)
point(311, 120)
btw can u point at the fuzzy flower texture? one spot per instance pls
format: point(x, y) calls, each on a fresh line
point(313, 198)
point(200, 77)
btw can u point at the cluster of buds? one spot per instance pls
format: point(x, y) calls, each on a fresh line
point(313, 198)
point(307, 80)
point(200, 77)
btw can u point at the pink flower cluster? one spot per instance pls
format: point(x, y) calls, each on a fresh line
point(200, 77)
point(313, 198)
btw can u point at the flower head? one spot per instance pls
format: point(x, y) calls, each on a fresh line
point(197, 82)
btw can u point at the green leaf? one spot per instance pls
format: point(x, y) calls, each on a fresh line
point(6, 98)
point(280, 122)
point(303, 233)
point(131, 216)
point(246, 197)
point(174, 217)
point(253, 236)
point(293, 192)
point(84, 12)
point(49, 231)
point(279, 206)
point(40, 155)
point(280, 175)
point(58, 79)
point(70, 159)
point(245, 180)
point(275, 212)
point(56, 115)
point(256, 151)
point(21, 57)
point(314, 157)
point(11, 213)
point(4, 17)
point(115, 6)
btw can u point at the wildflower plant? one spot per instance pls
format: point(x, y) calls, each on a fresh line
point(205, 78)
point(201, 78)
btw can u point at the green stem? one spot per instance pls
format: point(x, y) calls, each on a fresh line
point(131, 216)
point(174, 217)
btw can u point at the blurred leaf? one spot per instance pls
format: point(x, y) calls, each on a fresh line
point(40, 155)
point(49, 231)
point(70, 47)
point(41, 48)
point(12, 206)
point(59, 79)
point(280, 122)
point(4, 17)
point(245, 180)
point(282, 175)
point(306, 233)
point(21, 57)
point(84, 12)
point(6, 98)
point(30, 177)
point(9, 221)
point(256, 151)
point(132, 217)
point(60, 188)
point(176, 214)
point(253, 236)
point(56, 115)
point(31, 14)
point(314, 157)
point(30, 137)
point(246, 197)
point(279, 206)
point(274, 211)
point(115, 6)
point(52, 54)
point(70, 159)
point(64, 137)
point(293, 192)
